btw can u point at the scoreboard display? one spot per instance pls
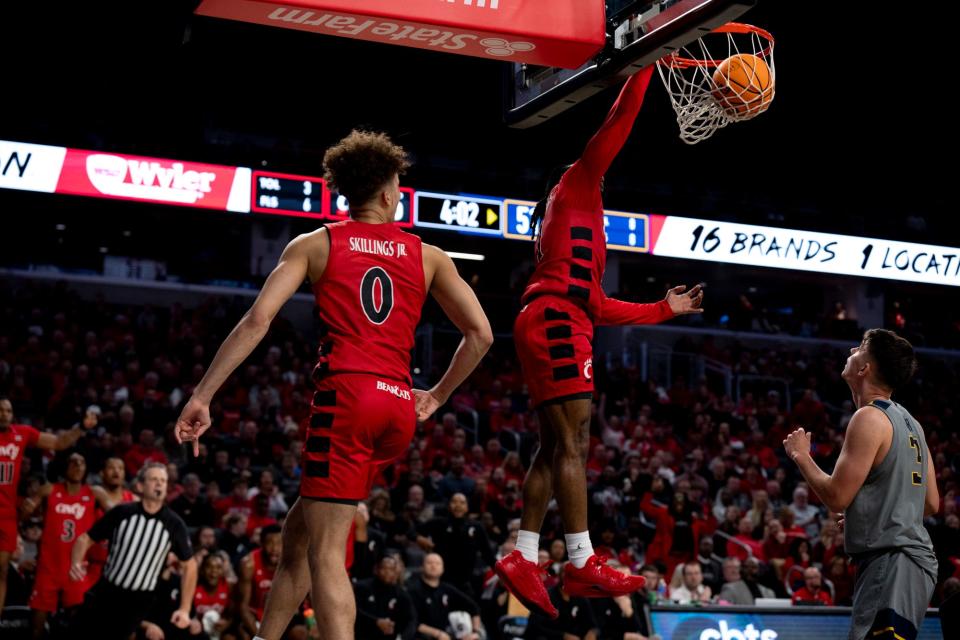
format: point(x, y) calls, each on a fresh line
point(624, 231)
point(289, 195)
point(463, 213)
point(340, 207)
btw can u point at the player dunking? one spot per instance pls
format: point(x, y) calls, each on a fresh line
point(884, 484)
point(553, 334)
point(14, 439)
point(370, 280)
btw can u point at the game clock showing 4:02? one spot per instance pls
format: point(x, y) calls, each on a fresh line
point(463, 213)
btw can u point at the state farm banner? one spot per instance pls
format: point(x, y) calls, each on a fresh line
point(554, 33)
point(112, 175)
point(30, 167)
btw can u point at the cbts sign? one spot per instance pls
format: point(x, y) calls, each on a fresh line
point(567, 35)
point(753, 623)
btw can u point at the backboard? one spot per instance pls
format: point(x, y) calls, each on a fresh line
point(639, 32)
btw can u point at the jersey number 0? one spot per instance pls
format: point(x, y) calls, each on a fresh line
point(375, 278)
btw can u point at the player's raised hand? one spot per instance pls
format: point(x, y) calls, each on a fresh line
point(685, 303)
point(425, 403)
point(194, 420)
point(797, 443)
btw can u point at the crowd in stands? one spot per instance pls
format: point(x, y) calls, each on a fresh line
point(687, 485)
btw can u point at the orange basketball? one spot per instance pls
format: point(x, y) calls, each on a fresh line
point(744, 85)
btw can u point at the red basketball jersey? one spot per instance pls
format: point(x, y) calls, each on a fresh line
point(262, 581)
point(571, 249)
point(216, 600)
point(13, 443)
point(369, 297)
point(68, 517)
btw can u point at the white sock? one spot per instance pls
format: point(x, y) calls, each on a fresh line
point(528, 544)
point(579, 548)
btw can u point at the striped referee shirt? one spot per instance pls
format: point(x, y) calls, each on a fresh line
point(139, 544)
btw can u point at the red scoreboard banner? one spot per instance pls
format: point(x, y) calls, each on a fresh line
point(554, 33)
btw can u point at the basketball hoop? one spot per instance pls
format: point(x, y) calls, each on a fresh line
point(690, 76)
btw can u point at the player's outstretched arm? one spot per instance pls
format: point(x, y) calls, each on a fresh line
point(860, 446)
point(678, 302)
point(66, 439)
point(460, 303)
point(604, 146)
point(282, 283)
point(932, 505)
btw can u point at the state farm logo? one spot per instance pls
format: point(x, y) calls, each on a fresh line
point(147, 179)
point(503, 48)
point(10, 451)
point(76, 509)
point(397, 32)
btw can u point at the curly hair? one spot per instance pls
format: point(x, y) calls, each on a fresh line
point(893, 355)
point(359, 165)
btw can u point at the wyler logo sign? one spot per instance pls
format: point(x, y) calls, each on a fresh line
point(567, 35)
point(30, 167)
point(154, 180)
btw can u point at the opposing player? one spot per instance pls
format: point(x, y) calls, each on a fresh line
point(884, 484)
point(370, 280)
point(553, 333)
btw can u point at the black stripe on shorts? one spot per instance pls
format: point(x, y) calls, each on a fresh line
point(581, 233)
point(317, 469)
point(559, 333)
point(321, 421)
point(578, 292)
point(560, 351)
point(566, 372)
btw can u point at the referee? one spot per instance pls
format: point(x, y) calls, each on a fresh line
point(141, 535)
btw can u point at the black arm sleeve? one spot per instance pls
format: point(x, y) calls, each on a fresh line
point(461, 601)
point(105, 526)
point(409, 611)
point(180, 538)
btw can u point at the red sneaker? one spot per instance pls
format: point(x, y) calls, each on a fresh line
point(522, 578)
point(597, 580)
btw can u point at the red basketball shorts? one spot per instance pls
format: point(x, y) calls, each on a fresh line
point(8, 534)
point(554, 340)
point(52, 580)
point(359, 424)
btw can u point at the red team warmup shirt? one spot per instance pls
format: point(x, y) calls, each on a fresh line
point(13, 443)
point(262, 581)
point(216, 600)
point(362, 416)
point(564, 298)
point(67, 518)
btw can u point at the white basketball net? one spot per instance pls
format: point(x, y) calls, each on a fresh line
point(688, 76)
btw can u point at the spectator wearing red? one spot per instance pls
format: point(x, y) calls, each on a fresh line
point(747, 545)
point(143, 452)
point(776, 545)
point(236, 502)
point(812, 590)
